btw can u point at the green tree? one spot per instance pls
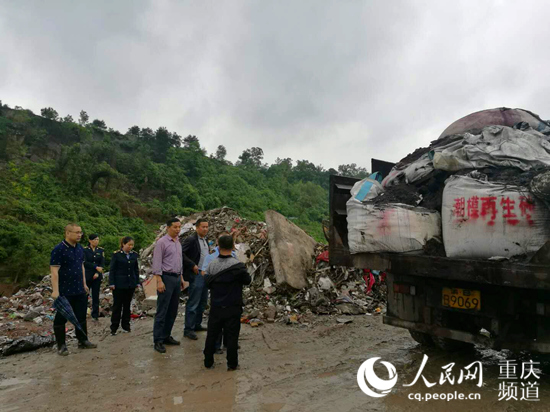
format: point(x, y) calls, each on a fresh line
point(221, 152)
point(83, 119)
point(134, 130)
point(192, 143)
point(99, 124)
point(49, 113)
point(352, 170)
point(252, 157)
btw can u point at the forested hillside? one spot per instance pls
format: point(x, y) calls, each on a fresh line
point(54, 170)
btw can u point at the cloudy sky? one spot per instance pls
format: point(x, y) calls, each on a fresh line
point(332, 82)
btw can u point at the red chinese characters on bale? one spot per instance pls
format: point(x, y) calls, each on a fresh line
point(470, 209)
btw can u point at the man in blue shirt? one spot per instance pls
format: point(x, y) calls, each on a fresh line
point(69, 280)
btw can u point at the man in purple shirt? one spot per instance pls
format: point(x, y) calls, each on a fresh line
point(168, 265)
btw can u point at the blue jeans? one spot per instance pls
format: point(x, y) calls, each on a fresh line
point(198, 297)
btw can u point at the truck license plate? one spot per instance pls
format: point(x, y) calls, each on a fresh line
point(461, 298)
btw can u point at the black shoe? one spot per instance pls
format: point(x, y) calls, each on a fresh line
point(95, 319)
point(113, 333)
point(219, 351)
point(62, 350)
point(231, 368)
point(209, 364)
point(159, 347)
point(190, 335)
point(200, 328)
point(86, 344)
point(171, 341)
point(126, 330)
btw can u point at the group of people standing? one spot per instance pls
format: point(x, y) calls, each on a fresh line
point(177, 265)
point(77, 271)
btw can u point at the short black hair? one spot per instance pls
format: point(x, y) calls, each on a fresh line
point(125, 239)
point(201, 220)
point(225, 242)
point(171, 221)
point(93, 236)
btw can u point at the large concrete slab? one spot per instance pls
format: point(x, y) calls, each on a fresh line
point(292, 250)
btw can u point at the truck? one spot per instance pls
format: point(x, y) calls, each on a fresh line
point(452, 303)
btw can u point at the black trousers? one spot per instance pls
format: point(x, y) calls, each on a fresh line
point(79, 303)
point(228, 320)
point(167, 308)
point(122, 298)
point(94, 285)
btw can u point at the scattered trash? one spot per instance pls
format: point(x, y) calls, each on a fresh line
point(269, 298)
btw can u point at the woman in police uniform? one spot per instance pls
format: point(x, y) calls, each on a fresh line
point(123, 280)
point(94, 262)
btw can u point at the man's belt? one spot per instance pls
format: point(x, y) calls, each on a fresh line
point(177, 275)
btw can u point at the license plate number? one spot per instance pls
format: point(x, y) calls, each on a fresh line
point(461, 298)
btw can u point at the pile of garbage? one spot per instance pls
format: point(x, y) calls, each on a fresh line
point(487, 177)
point(290, 273)
point(26, 318)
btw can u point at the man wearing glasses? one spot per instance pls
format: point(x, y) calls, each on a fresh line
point(69, 280)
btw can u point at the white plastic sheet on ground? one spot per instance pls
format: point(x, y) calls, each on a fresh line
point(482, 219)
point(390, 228)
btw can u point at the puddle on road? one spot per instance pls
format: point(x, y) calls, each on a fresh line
point(7, 383)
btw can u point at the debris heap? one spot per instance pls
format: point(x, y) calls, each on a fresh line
point(326, 289)
point(26, 317)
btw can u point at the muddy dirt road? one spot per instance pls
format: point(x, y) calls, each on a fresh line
point(283, 368)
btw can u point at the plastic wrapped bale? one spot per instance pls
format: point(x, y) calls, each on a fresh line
point(495, 146)
point(368, 188)
point(393, 227)
point(486, 219)
point(501, 116)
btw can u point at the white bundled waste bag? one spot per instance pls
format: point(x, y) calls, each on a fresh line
point(393, 227)
point(486, 219)
point(367, 189)
point(411, 172)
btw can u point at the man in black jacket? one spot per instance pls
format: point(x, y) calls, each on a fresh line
point(225, 277)
point(196, 248)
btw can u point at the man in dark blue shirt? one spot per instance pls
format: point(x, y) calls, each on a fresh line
point(69, 280)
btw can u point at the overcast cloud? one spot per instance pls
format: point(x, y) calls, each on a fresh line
point(332, 82)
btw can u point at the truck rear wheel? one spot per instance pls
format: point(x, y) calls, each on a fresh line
point(422, 338)
point(451, 345)
point(443, 319)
